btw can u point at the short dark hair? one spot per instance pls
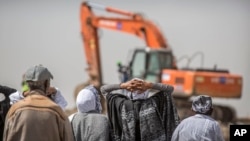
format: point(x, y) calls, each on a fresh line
point(37, 85)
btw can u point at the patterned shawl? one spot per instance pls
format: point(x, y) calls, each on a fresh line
point(151, 119)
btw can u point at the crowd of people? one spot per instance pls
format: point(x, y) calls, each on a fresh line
point(137, 110)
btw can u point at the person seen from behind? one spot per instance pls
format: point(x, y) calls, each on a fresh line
point(88, 123)
point(36, 117)
point(201, 126)
point(53, 93)
point(5, 92)
point(144, 111)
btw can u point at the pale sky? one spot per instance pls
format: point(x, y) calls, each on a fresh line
point(48, 32)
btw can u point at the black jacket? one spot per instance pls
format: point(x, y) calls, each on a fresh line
point(4, 106)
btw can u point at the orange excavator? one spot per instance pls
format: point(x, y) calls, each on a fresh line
point(155, 62)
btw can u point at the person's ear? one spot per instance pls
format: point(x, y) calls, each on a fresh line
point(47, 85)
point(192, 110)
point(212, 109)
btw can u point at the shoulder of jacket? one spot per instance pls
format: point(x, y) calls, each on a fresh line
point(32, 103)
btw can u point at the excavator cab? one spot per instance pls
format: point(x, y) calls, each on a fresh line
point(157, 65)
point(148, 64)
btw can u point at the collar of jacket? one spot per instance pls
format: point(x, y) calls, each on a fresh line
point(36, 100)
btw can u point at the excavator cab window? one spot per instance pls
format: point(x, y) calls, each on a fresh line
point(138, 64)
point(157, 61)
point(148, 64)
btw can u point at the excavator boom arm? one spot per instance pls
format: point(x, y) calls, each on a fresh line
point(132, 23)
point(145, 30)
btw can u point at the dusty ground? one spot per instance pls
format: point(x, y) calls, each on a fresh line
point(225, 127)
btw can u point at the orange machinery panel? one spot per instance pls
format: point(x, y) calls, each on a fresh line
point(216, 84)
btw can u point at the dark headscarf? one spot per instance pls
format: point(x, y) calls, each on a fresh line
point(202, 104)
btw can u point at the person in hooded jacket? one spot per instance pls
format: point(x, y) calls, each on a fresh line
point(88, 123)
